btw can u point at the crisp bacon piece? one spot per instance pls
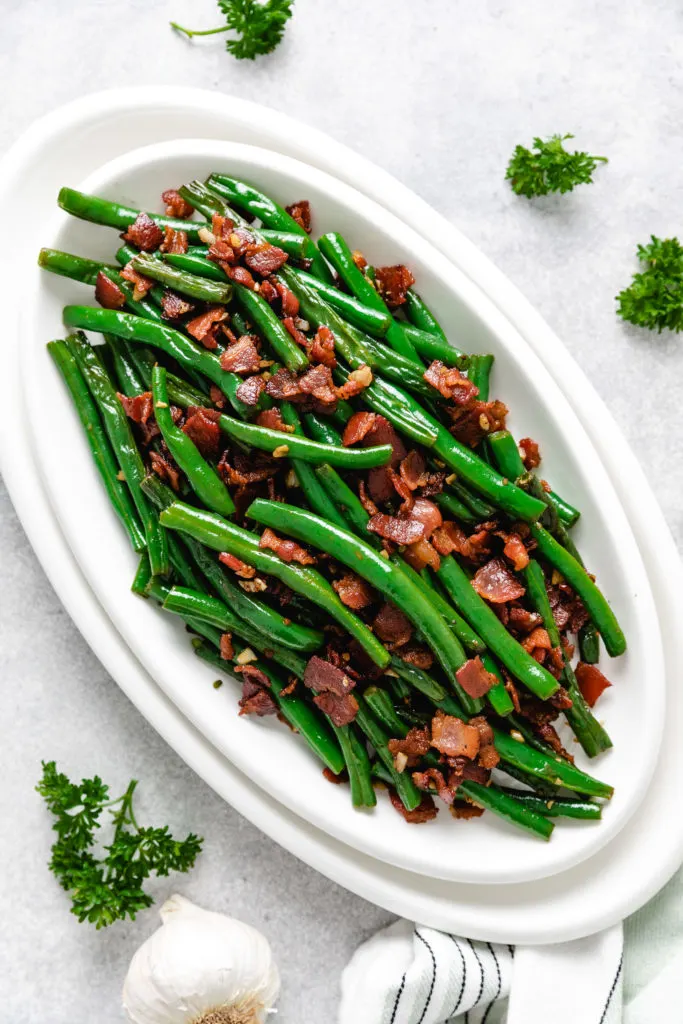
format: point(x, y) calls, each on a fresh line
point(298, 336)
point(379, 481)
point(433, 779)
point(249, 392)
point(365, 500)
point(420, 554)
point(591, 682)
point(144, 234)
point(221, 252)
point(283, 386)
point(227, 650)
point(272, 418)
point(317, 382)
point(453, 737)
point(203, 327)
point(176, 206)
point(247, 469)
point(269, 292)
point(264, 259)
point(412, 469)
point(289, 301)
point(538, 638)
point(141, 284)
point(357, 381)
point(403, 491)
point(240, 568)
point(334, 688)
point(301, 213)
point(357, 427)
point(359, 259)
point(474, 678)
point(523, 620)
point(462, 809)
point(516, 552)
point(336, 780)
point(286, 550)
point(139, 408)
point(450, 383)
point(201, 426)
point(239, 274)
point(174, 241)
point(108, 293)
point(399, 529)
point(530, 453)
point(425, 810)
point(392, 284)
point(255, 700)
point(173, 306)
point(392, 626)
point(217, 396)
point(165, 470)
point(427, 513)
point(444, 539)
point(242, 356)
point(413, 746)
point(321, 349)
point(495, 582)
point(353, 591)
point(474, 422)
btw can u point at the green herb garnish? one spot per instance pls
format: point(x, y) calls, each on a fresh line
point(548, 167)
point(654, 298)
point(259, 26)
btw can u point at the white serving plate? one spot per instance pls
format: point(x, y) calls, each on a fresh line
point(488, 850)
point(78, 137)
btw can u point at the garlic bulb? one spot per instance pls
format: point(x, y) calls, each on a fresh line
point(200, 968)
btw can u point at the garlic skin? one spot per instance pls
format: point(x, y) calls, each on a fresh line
point(200, 968)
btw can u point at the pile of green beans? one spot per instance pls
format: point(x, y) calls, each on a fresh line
point(323, 518)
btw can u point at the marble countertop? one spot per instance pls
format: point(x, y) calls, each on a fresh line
point(439, 93)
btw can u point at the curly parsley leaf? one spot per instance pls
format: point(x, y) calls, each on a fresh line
point(107, 888)
point(549, 167)
point(654, 298)
point(259, 27)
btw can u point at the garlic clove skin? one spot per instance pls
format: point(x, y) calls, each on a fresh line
point(200, 967)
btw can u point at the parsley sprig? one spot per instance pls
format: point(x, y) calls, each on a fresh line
point(549, 167)
point(259, 26)
point(108, 888)
point(654, 298)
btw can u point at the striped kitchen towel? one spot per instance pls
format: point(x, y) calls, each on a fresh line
point(409, 974)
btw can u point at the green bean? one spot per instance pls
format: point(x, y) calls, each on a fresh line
point(183, 570)
point(402, 411)
point(408, 792)
point(479, 371)
point(122, 441)
point(75, 267)
point(421, 316)
point(417, 678)
point(488, 626)
point(314, 492)
point(217, 533)
point(455, 508)
point(143, 575)
point(271, 215)
point(322, 430)
point(464, 632)
point(207, 202)
point(365, 317)
point(181, 281)
point(592, 736)
point(430, 347)
point(589, 643)
point(538, 595)
point(98, 441)
point(353, 514)
point(481, 510)
point(358, 767)
point(558, 807)
point(271, 328)
point(302, 447)
point(126, 372)
point(203, 478)
point(385, 577)
point(195, 264)
point(498, 696)
point(381, 705)
point(567, 513)
point(540, 787)
point(115, 215)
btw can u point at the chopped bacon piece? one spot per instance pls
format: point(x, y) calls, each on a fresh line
point(144, 234)
point(141, 284)
point(461, 809)
point(365, 500)
point(517, 553)
point(496, 583)
point(420, 657)
point(359, 259)
point(453, 737)
point(321, 349)
point(227, 649)
point(283, 386)
point(174, 306)
point(591, 682)
point(286, 550)
point(239, 274)
point(249, 392)
point(427, 513)
point(217, 396)
point(383, 432)
point(165, 470)
point(299, 337)
point(317, 382)
point(399, 529)
point(247, 470)
point(404, 492)
point(301, 213)
point(444, 540)
point(472, 423)
point(254, 674)
point(334, 687)
point(420, 554)
point(392, 284)
point(201, 426)
point(336, 780)
point(530, 453)
point(523, 620)
point(264, 259)
point(174, 241)
point(139, 408)
point(358, 426)
point(474, 678)
point(269, 292)
point(221, 252)
point(450, 383)
point(433, 779)
point(425, 810)
point(413, 746)
point(242, 356)
point(412, 469)
point(357, 381)
point(176, 206)
point(353, 591)
point(538, 638)
point(255, 700)
point(272, 419)
point(247, 572)
point(203, 327)
point(392, 626)
point(290, 303)
point(108, 293)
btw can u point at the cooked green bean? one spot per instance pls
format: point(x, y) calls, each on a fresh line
point(271, 328)
point(116, 215)
point(302, 447)
point(408, 792)
point(357, 313)
point(455, 508)
point(313, 490)
point(201, 288)
point(67, 265)
point(421, 316)
point(557, 807)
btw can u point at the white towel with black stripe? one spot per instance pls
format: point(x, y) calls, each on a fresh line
point(409, 974)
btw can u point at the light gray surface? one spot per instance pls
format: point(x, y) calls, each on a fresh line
point(438, 92)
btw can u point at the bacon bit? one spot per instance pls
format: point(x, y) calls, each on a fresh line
point(427, 513)
point(242, 356)
point(221, 252)
point(249, 392)
point(268, 291)
point(203, 327)
point(283, 386)
point(591, 682)
point(495, 582)
point(383, 432)
point(289, 301)
point(321, 349)
point(265, 259)
point(334, 697)
point(217, 396)
point(450, 383)
point(359, 259)
point(248, 469)
point(357, 381)
point(176, 206)
point(425, 810)
point(353, 591)
point(239, 274)
point(174, 241)
point(298, 336)
point(444, 540)
point(301, 213)
point(420, 554)
point(246, 572)
point(318, 383)
point(357, 427)
point(139, 408)
point(226, 647)
point(413, 746)
point(365, 500)
point(392, 626)
point(336, 780)
point(141, 284)
point(165, 470)
point(530, 453)
point(201, 426)
point(523, 620)
point(255, 700)
point(517, 553)
point(474, 422)
point(399, 529)
point(392, 283)
point(475, 679)
point(420, 657)
point(108, 293)
point(538, 638)
point(433, 779)
point(568, 609)
point(272, 419)
point(453, 737)
point(144, 234)
point(403, 491)
point(412, 469)
point(286, 550)
point(173, 306)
